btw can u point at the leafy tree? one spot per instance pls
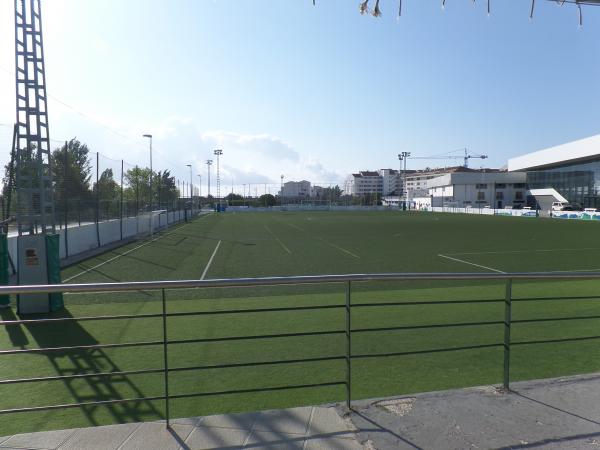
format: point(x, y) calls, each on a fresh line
point(267, 200)
point(108, 194)
point(71, 172)
point(329, 193)
point(27, 165)
point(138, 186)
point(167, 191)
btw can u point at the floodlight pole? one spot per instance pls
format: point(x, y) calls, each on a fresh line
point(208, 164)
point(282, 190)
point(218, 152)
point(191, 187)
point(200, 191)
point(149, 136)
point(403, 156)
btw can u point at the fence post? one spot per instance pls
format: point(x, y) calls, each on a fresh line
point(98, 198)
point(121, 206)
point(348, 346)
point(66, 201)
point(137, 200)
point(507, 320)
point(165, 357)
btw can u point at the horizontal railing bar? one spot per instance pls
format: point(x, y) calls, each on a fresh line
point(417, 303)
point(82, 375)
point(258, 363)
point(291, 280)
point(419, 352)
point(81, 404)
point(260, 336)
point(554, 319)
point(77, 319)
point(549, 341)
point(265, 389)
point(556, 299)
point(79, 347)
point(419, 327)
point(254, 310)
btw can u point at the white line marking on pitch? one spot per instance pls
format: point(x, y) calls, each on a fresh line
point(210, 261)
point(110, 260)
point(527, 251)
point(124, 253)
point(470, 263)
point(354, 255)
point(278, 240)
point(293, 225)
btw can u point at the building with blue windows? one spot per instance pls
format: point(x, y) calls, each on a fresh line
point(572, 169)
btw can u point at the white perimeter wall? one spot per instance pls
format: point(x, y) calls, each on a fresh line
point(84, 238)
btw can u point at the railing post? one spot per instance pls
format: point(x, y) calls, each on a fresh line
point(165, 356)
point(507, 320)
point(348, 346)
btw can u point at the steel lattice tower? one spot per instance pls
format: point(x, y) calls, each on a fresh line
point(218, 153)
point(35, 202)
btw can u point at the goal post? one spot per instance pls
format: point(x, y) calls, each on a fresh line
point(151, 222)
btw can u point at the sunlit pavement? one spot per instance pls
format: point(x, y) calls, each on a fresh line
point(559, 413)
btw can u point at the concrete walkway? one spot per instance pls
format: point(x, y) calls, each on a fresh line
point(556, 414)
point(562, 413)
point(309, 428)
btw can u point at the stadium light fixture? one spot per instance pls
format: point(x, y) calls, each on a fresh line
point(218, 152)
point(208, 164)
point(149, 136)
point(191, 184)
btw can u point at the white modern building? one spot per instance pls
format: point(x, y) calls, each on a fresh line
point(571, 169)
point(391, 183)
point(386, 182)
point(479, 189)
point(296, 189)
point(366, 182)
point(417, 180)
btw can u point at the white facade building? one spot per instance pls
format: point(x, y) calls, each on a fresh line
point(367, 182)
point(296, 189)
point(479, 189)
point(417, 180)
point(386, 182)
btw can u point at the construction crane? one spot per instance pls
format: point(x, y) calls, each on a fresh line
point(467, 155)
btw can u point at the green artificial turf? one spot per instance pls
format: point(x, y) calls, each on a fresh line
point(277, 244)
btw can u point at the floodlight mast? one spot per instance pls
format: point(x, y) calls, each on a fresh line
point(34, 187)
point(208, 164)
point(403, 156)
point(218, 152)
point(199, 191)
point(191, 187)
point(149, 137)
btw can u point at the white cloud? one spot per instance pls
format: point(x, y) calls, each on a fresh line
point(263, 144)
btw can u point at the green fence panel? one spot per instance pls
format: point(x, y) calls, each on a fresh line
point(4, 268)
point(53, 257)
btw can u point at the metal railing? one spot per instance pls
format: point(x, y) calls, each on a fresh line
point(348, 356)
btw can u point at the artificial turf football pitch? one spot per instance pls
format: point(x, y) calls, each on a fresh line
point(233, 245)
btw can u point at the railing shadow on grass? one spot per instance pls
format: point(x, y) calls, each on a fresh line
point(74, 367)
point(87, 360)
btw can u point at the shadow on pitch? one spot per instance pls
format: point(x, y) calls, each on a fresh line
point(68, 362)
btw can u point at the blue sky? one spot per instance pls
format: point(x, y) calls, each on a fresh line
point(312, 92)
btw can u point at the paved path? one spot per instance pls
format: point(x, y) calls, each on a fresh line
point(309, 428)
point(561, 413)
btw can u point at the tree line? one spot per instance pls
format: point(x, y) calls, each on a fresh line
point(76, 187)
